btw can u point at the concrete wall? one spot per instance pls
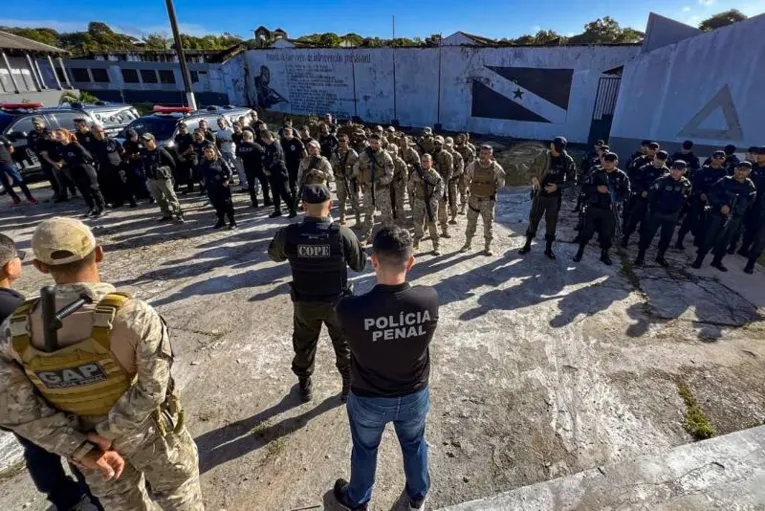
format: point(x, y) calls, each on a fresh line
point(534, 93)
point(707, 88)
point(662, 31)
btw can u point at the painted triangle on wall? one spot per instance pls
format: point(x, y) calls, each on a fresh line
point(717, 120)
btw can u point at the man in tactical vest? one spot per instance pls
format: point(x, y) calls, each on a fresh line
point(426, 143)
point(485, 177)
point(314, 169)
point(97, 391)
point(427, 187)
point(374, 173)
point(444, 164)
point(318, 251)
point(452, 186)
point(467, 150)
point(343, 159)
point(551, 172)
point(398, 185)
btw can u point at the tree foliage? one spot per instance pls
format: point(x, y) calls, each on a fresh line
point(722, 19)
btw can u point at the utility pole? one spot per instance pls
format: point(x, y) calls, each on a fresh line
point(191, 100)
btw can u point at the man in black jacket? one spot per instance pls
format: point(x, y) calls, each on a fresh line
point(251, 153)
point(389, 331)
point(111, 173)
point(278, 176)
point(158, 168)
point(318, 251)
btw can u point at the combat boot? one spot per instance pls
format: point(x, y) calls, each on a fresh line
point(415, 244)
point(445, 232)
point(548, 250)
point(698, 262)
point(640, 261)
point(579, 254)
point(453, 221)
point(527, 247)
point(306, 389)
point(466, 246)
point(219, 224)
point(717, 263)
point(342, 220)
point(605, 257)
point(436, 250)
point(487, 250)
point(749, 268)
point(462, 209)
point(660, 259)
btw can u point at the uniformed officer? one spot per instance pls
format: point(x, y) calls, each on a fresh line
point(374, 173)
point(184, 152)
point(444, 165)
point(158, 168)
point(485, 177)
point(606, 189)
point(633, 172)
point(251, 153)
point(79, 161)
point(729, 199)
point(701, 181)
point(752, 223)
point(467, 151)
point(638, 154)
point(83, 133)
point(327, 139)
point(314, 169)
point(278, 175)
point(426, 143)
point(552, 171)
point(37, 143)
point(427, 187)
point(294, 151)
point(101, 393)
point(665, 199)
point(218, 174)
point(318, 251)
point(691, 160)
point(458, 170)
point(640, 184)
point(398, 185)
point(343, 159)
point(111, 172)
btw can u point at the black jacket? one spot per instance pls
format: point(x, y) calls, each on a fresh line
point(157, 164)
point(273, 161)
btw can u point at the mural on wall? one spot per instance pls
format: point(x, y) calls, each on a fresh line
point(266, 96)
point(717, 120)
point(538, 95)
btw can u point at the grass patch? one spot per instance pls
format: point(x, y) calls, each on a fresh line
point(696, 422)
point(628, 270)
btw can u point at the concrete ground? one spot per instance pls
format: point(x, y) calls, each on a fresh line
point(541, 369)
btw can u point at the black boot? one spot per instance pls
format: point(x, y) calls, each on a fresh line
point(640, 261)
point(548, 250)
point(306, 389)
point(579, 254)
point(275, 214)
point(625, 241)
point(732, 249)
point(717, 263)
point(605, 257)
point(698, 262)
point(743, 251)
point(527, 247)
point(220, 223)
point(660, 259)
point(749, 268)
point(679, 245)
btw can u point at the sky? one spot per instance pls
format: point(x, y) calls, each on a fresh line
point(490, 18)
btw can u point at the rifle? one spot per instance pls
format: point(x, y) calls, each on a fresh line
point(615, 209)
point(425, 183)
point(52, 319)
point(730, 213)
point(372, 164)
point(344, 177)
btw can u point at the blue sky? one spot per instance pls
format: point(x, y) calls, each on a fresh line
point(494, 18)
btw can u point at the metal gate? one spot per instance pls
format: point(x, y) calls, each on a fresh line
point(605, 104)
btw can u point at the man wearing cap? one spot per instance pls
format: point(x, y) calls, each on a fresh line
point(729, 200)
point(640, 185)
point(467, 151)
point(639, 154)
point(318, 251)
point(314, 169)
point(83, 133)
point(665, 199)
point(158, 168)
point(695, 220)
point(485, 177)
point(427, 188)
point(686, 154)
point(108, 154)
point(113, 409)
point(398, 185)
point(278, 175)
point(374, 173)
point(37, 143)
point(426, 142)
point(552, 171)
point(294, 151)
point(753, 223)
point(184, 151)
point(444, 165)
point(343, 159)
point(606, 188)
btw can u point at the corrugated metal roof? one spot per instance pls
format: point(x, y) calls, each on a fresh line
point(14, 42)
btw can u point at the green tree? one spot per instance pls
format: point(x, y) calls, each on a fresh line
point(547, 37)
point(722, 19)
point(433, 40)
point(606, 30)
point(160, 42)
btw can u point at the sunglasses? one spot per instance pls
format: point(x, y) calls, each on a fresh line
point(718, 157)
point(21, 254)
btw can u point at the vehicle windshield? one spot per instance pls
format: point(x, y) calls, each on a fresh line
point(5, 120)
point(162, 128)
point(113, 117)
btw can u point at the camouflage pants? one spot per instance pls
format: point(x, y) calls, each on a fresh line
point(463, 188)
point(452, 197)
point(381, 202)
point(398, 192)
point(170, 465)
point(343, 197)
point(420, 217)
point(483, 206)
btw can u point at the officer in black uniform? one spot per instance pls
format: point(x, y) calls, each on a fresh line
point(701, 181)
point(251, 153)
point(729, 198)
point(80, 164)
point(197, 155)
point(752, 223)
point(638, 154)
point(36, 143)
point(666, 198)
point(606, 188)
point(318, 250)
point(640, 184)
point(111, 173)
point(184, 156)
point(83, 133)
point(278, 175)
point(294, 150)
point(690, 159)
point(217, 175)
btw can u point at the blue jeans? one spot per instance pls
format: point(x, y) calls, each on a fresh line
point(11, 171)
point(368, 417)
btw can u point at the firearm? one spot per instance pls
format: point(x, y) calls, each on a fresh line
point(425, 183)
point(52, 319)
point(730, 213)
point(372, 164)
point(615, 210)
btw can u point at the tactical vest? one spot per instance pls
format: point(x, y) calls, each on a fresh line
point(316, 255)
point(427, 144)
point(314, 176)
point(365, 167)
point(84, 378)
point(484, 181)
point(341, 168)
point(419, 186)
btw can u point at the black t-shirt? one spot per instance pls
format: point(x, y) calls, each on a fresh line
point(10, 300)
point(251, 154)
point(5, 151)
point(293, 151)
point(389, 331)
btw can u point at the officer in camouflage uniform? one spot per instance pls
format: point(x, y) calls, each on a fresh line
point(398, 186)
point(485, 177)
point(467, 151)
point(343, 160)
point(426, 187)
point(374, 173)
point(314, 169)
point(359, 141)
point(444, 164)
point(426, 143)
point(105, 398)
point(457, 173)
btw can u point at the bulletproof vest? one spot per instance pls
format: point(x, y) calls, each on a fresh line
point(112, 154)
point(737, 194)
point(464, 152)
point(313, 176)
point(365, 166)
point(484, 182)
point(83, 378)
point(315, 252)
point(444, 169)
point(557, 170)
point(341, 168)
point(427, 144)
point(419, 186)
point(152, 164)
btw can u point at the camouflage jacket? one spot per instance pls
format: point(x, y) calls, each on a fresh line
point(318, 166)
point(444, 164)
point(343, 162)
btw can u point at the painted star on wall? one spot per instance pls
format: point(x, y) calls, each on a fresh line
point(518, 93)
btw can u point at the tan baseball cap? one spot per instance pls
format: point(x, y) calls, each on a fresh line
point(62, 240)
point(439, 139)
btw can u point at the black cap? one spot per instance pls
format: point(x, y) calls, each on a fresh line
point(559, 143)
point(718, 153)
point(662, 155)
point(610, 157)
point(645, 142)
point(679, 164)
point(688, 144)
point(760, 150)
point(744, 164)
point(653, 145)
point(730, 149)
point(752, 149)
point(316, 194)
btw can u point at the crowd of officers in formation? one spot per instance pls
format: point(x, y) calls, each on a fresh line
point(721, 202)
